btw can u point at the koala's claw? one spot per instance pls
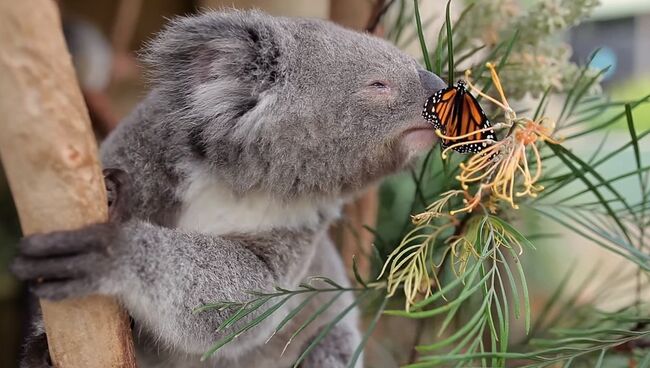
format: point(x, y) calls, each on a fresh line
point(118, 190)
point(36, 353)
point(66, 243)
point(58, 290)
point(65, 263)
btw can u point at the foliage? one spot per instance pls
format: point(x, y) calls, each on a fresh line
point(632, 89)
point(457, 261)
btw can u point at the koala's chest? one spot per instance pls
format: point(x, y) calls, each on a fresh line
point(210, 207)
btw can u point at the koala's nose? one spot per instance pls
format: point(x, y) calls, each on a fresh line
point(431, 82)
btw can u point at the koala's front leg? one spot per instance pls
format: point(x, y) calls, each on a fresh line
point(169, 273)
point(161, 274)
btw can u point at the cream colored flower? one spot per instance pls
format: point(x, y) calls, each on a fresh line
point(507, 168)
point(410, 265)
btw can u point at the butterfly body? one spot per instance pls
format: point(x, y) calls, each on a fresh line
point(458, 115)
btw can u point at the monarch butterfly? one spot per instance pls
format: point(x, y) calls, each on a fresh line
point(455, 112)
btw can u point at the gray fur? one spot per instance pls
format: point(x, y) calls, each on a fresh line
point(275, 108)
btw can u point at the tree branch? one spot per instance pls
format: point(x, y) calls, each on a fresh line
point(50, 158)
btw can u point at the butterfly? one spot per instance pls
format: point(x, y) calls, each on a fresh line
point(455, 112)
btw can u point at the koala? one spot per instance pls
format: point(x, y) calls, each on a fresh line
point(225, 179)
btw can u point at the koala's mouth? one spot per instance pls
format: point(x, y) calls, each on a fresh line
point(418, 138)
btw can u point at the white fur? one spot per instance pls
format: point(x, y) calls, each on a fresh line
point(210, 207)
point(209, 100)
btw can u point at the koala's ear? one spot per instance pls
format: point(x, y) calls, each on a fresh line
point(217, 63)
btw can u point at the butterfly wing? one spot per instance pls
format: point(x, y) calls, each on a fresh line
point(457, 114)
point(439, 107)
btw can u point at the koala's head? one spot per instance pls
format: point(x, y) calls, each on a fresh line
point(293, 107)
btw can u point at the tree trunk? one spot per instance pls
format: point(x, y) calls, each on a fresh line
point(50, 158)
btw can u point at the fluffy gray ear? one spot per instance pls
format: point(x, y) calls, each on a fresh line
point(216, 64)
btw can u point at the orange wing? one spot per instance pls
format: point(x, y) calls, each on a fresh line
point(439, 107)
point(456, 113)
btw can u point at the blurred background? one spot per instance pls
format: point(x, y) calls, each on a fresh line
point(105, 35)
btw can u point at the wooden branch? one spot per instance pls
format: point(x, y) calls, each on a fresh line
point(50, 158)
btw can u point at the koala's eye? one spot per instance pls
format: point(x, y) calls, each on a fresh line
point(378, 85)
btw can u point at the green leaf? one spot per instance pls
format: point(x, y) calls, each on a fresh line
point(585, 88)
point(313, 317)
point(368, 333)
point(571, 92)
point(242, 312)
point(292, 314)
point(326, 280)
point(423, 43)
point(568, 363)
point(466, 293)
point(645, 363)
point(561, 152)
point(511, 230)
point(377, 237)
point(502, 61)
point(245, 328)
point(541, 106)
point(468, 277)
point(326, 330)
point(439, 56)
point(513, 284)
point(609, 121)
point(469, 53)
point(601, 358)
point(640, 262)
point(563, 180)
point(355, 270)
point(635, 140)
point(450, 45)
point(472, 323)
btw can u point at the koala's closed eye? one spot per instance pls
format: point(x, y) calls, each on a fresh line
point(380, 90)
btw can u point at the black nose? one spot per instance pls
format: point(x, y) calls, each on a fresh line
point(431, 82)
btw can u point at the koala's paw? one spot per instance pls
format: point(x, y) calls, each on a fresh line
point(36, 353)
point(74, 263)
point(66, 263)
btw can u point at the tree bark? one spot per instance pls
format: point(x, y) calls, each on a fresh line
point(50, 159)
